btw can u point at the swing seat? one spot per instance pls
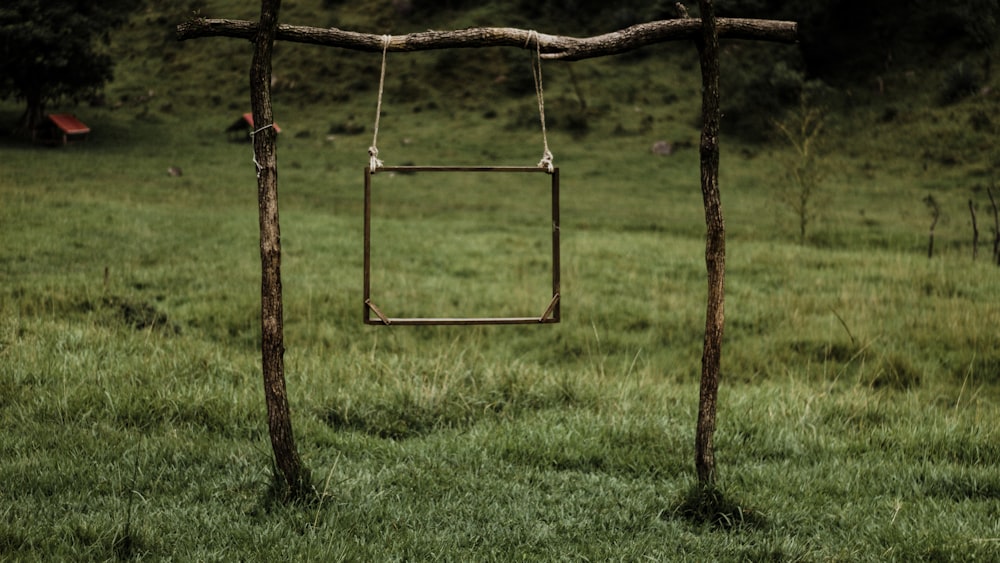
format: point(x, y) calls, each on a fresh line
point(551, 312)
point(373, 315)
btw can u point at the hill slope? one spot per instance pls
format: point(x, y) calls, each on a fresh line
point(924, 91)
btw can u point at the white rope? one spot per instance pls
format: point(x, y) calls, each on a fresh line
point(252, 133)
point(536, 73)
point(375, 163)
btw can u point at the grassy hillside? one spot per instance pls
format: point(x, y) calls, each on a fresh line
point(858, 413)
point(929, 115)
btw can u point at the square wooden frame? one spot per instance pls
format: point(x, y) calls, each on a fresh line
point(551, 314)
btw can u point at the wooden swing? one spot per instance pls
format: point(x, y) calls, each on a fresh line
point(373, 315)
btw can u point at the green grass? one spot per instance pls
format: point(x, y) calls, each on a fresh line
point(859, 403)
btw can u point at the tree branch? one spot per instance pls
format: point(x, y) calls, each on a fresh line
point(552, 46)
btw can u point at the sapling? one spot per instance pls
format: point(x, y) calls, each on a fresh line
point(805, 167)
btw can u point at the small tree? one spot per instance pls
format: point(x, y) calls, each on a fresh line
point(804, 168)
point(50, 49)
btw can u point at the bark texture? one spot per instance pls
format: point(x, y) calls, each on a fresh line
point(552, 46)
point(715, 246)
point(293, 474)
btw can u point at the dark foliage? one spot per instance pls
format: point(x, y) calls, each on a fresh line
point(839, 36)
point(845, 43)
point(960, 82)
point(50, 49)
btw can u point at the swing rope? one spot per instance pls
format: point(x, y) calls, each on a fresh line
point(536, 73)
point(375, 163)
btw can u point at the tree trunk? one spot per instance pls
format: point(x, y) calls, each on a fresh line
point(294, 475)
point(33, 112)
point(715, 246)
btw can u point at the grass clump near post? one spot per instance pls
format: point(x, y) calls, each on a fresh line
point(708, 505)
point(280, 492)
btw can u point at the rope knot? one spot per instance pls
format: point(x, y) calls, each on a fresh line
point(547, 161)
point(532, 34)
point(374, 163)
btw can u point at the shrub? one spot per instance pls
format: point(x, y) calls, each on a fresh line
point(758, 91)
point(804, 169)
point(959, 83)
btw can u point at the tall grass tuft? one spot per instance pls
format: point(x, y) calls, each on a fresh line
point(710, 506)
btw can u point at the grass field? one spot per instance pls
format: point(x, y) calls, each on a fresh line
point(859, 403)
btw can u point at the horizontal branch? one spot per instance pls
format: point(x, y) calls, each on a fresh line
point(552, 46)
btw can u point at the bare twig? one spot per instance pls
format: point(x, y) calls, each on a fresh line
point(975, 231)
point(844, 324)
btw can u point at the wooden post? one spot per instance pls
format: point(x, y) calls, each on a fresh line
point(715, 246)
point(294, 476)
